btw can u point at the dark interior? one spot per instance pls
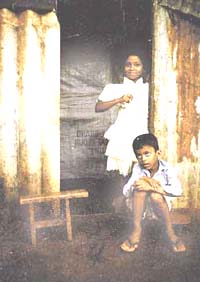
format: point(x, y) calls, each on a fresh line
point(94, 40)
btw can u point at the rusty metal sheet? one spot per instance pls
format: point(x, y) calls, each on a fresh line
point(37, 5)
point(188, 81)
point(30, 158)
point(176, 99)
point(188, 7)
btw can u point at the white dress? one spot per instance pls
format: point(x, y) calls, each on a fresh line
point(132, 120)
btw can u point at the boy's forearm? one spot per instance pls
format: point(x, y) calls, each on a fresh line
point(149, 185)
point(148, 188)
point(159, 190)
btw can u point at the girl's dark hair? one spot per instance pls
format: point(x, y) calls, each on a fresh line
point(147, 139)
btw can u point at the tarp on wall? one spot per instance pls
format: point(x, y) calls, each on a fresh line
point(84, 72)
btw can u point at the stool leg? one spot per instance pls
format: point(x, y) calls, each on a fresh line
point(68, 220)
point(32, 224)
point(56, 208)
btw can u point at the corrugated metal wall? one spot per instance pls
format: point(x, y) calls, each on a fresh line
point(29, 102)
point(188, 7)
point(176, 97)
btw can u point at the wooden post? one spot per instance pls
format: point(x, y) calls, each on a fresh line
point(68, 220)
point(32, 223)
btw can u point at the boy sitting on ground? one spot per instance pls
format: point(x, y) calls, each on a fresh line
point(156, 180)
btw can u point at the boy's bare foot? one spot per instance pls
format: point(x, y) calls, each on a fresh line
point(128, 246)
point(132, 243)
point(178, 246)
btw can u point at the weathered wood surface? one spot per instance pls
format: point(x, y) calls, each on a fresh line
point(76, 193)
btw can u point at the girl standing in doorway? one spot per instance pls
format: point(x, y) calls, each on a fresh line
point(131, 98)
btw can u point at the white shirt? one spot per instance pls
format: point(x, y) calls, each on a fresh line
point(166, 175)
point(132, 118)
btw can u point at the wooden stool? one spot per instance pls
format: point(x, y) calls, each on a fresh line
point(55, 198)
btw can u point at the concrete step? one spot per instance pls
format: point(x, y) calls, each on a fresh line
point(181, 216)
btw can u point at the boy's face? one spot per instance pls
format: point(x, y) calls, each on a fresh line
point(148, 158)
point(133, 68)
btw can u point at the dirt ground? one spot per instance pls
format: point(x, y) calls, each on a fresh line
point(94, 254)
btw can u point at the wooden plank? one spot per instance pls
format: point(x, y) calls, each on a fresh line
point(40, 5)
point(49, 223)
point(56, 207)
point(77, 193)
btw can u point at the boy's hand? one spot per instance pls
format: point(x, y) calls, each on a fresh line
point(148, 184)
point(142, 185)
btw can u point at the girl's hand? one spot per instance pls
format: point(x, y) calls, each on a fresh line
point(127, 98)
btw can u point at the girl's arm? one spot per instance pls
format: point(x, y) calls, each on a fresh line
point(104, 106)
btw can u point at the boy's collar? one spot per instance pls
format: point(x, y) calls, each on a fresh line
point(161, 167)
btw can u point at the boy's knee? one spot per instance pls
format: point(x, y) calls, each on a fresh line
point(155, 197)
point(139, 193)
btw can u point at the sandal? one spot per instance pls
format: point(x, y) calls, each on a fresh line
point(178, 246)
point(128, 246)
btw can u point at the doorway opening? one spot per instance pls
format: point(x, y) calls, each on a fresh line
point(95, 35)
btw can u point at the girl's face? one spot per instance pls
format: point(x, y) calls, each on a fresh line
point(133, 68)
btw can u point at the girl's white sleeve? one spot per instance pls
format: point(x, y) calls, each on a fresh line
point(106, 94)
